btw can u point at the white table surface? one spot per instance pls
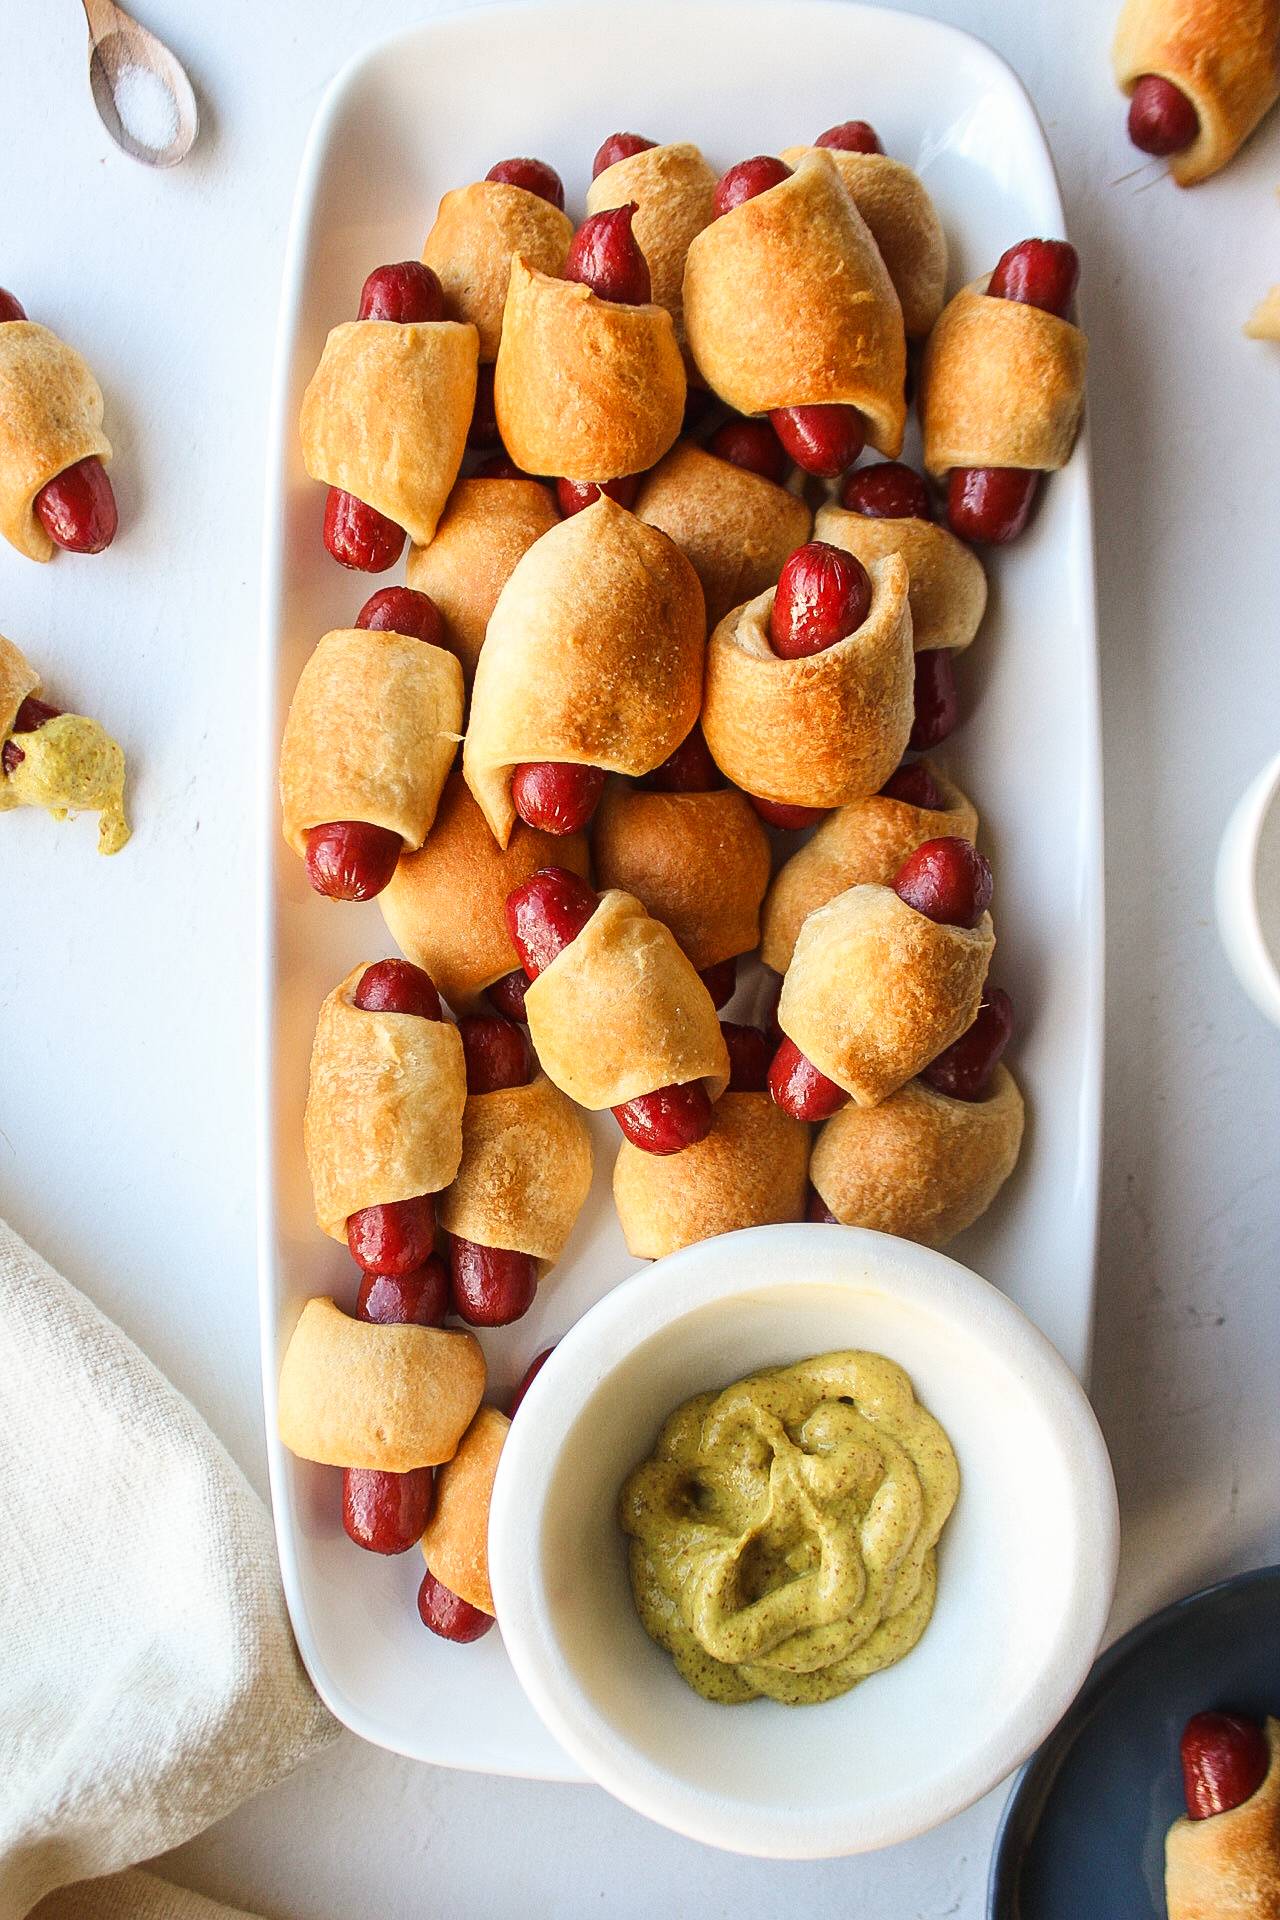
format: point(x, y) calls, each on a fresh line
point(127, 987)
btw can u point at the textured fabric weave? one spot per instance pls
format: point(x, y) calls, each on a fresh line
point(148, 1678)
point(133, 1896)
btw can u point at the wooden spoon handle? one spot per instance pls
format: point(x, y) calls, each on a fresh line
point(104, 18)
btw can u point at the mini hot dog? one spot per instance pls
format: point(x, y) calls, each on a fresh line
point(624, 1006)
point(386, 416)
point(383, 1121)
point(880, 994)
point(54, 490)
point(373, 727)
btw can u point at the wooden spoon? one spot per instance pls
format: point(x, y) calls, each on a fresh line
point(141, 91)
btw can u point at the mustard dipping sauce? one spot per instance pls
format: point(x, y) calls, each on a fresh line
point(783, 1532)
point(70, 765)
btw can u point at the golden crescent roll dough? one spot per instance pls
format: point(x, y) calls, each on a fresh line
point(372, 730)
point(674, 190)
point(18, 678)
point(1228, 1866)
point(904, 224)
point(584, 387)
point(822, 730)
point(749, 1171)
point(620, 1011)
point(787, 303)
point(1264, 322)
point(455, 1545)
point(862, 844)
point(698, 861)
point(920, 1165)
point(50, 417)
point(593, 656)
point(356, 1394)
point(735, 527)
point(444, 905)
point(386, 415)
point(1002, 385)
point(383, 1119)
point(486, 527)
point(946, 585)
point(875, 990)
point(1223, 54)
point(477, 232)
point(525, 1171)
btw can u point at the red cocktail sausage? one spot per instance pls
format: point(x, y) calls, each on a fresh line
point(77, 508)
point(947, 880)
point(395, 1236)
point(356, 534)
point(1224, 1761)
point(492, 1285)
point(353, 859)
point(993, 504)
point(544, 914)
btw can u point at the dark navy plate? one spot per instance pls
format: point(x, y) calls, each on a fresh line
point(1083, 1832)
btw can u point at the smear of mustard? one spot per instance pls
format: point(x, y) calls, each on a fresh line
point(71, 765)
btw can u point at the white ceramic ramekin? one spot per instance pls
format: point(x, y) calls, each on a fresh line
point(1026, 1566)
point(1237, 895)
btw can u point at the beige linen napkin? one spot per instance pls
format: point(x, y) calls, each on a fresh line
point(133, 1896)
point(148, 1678)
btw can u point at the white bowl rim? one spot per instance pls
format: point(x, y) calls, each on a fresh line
point(678, 1286)
point(1236, 897)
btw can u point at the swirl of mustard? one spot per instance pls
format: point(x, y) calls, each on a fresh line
point(783, 1532)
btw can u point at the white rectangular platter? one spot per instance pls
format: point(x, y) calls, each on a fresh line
point(436, 108)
